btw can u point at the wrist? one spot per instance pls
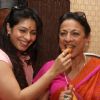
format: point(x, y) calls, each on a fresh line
point(52, 72)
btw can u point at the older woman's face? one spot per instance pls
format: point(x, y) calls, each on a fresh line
point(23, 34)
point(72, 35)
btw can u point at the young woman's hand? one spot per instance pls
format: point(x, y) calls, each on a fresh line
point(62, 63)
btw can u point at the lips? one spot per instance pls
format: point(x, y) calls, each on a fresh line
point(24, 43)
point(69, 46)
point(66, 46)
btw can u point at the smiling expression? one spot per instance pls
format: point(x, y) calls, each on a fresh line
point(72, 35)
point(23, 34)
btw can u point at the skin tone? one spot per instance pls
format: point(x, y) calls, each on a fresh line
point(22, 36)
point(72, 35)
point(67, 94)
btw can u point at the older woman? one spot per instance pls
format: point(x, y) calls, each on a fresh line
point(84, 71)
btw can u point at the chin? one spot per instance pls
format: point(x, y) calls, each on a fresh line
point(22, 49)
point(73, 55)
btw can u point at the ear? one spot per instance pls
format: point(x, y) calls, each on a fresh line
point(87, 43)
point(89, 39)
point(8, 29)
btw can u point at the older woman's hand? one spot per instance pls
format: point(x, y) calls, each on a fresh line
point(68, 94)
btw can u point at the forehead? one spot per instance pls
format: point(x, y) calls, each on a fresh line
point(71, 23)
point(28, 23)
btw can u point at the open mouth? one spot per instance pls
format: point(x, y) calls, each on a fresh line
point(70, 47)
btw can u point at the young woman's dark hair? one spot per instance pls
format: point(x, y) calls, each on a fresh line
point(14, 17)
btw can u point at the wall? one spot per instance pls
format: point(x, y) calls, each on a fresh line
point(49, 11)
point(91, 8)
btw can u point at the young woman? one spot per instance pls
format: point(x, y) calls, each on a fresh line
point(18, 43)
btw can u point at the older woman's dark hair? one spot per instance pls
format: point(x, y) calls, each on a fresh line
point(15, 16)
point(78, 16)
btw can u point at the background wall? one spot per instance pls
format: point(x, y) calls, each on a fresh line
point(49, 11)
point(92, 10)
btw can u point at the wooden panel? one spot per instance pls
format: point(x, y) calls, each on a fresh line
point(49, 11)
point(3, 14)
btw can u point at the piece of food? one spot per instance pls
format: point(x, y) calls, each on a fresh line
point(69, 50)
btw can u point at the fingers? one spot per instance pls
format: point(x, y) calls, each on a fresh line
point(70, 87)
point(65, 95)
point(67, 62)
point(65, 59)
point(63, 62)
point(68, 97)
point(69, 49)
point(65, 52)
point(68, 94)
point(64, 56)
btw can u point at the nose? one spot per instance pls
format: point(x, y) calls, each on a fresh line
point(27, 36)
point(68, 37)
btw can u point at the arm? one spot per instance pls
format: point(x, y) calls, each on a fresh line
point(45, 96)
point(10, 90)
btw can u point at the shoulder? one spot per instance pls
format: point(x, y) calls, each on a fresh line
point(4, 57)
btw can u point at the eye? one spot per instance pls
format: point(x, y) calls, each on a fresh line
point(22, 30)
point(62, 33)
point(75, 33)
point(33, 32)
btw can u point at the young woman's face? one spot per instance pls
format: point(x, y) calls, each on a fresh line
point(23, 34)
point(72, 35)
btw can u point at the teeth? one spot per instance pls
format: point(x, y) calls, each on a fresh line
point(68, 46)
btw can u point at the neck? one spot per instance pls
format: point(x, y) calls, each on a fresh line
point(79, 62)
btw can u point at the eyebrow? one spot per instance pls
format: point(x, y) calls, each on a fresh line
point(26, 28)
point(67, 30)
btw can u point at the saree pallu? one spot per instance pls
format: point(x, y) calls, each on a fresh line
point(86, 83)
